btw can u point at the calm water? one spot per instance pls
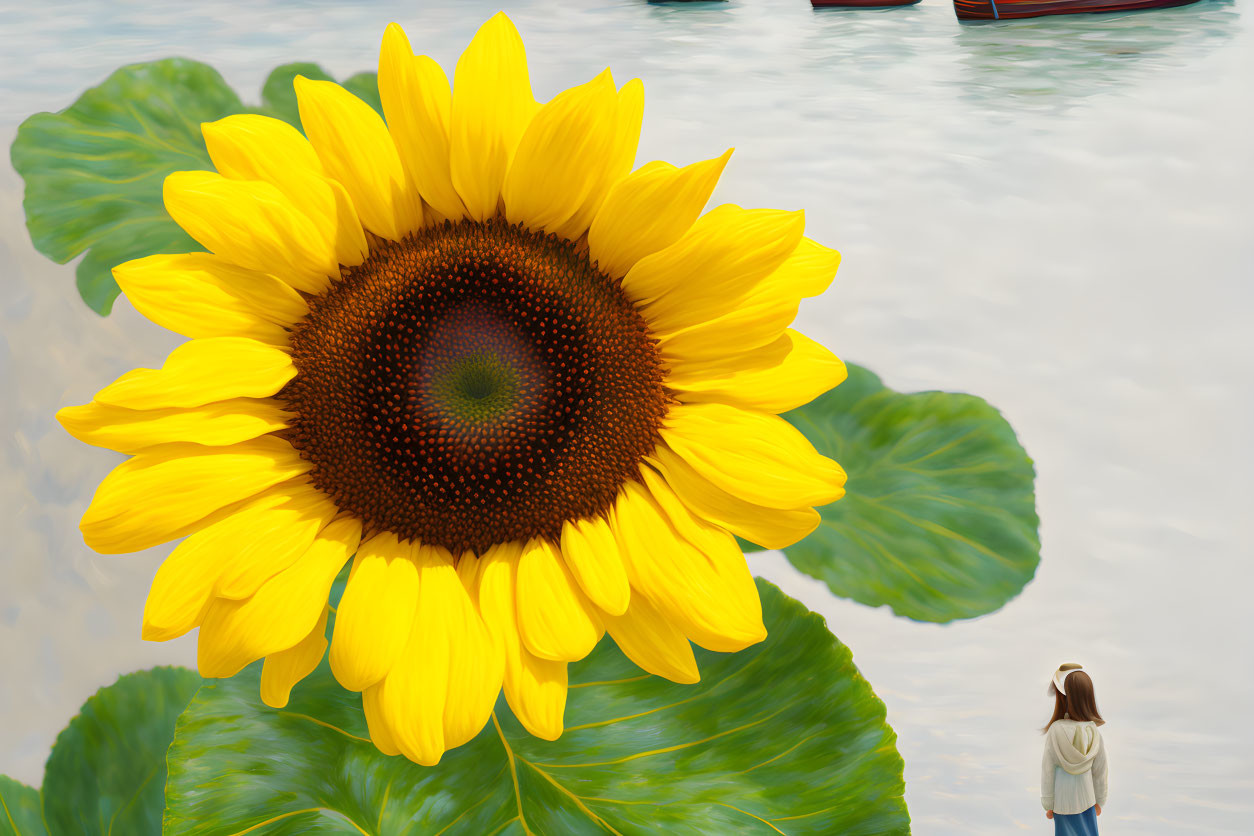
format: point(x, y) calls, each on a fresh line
point(1055, 214)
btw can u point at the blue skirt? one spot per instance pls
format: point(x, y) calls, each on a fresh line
point(1076, 824)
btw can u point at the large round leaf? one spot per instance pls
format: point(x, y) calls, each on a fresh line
point(785, 737)
point(19, 809)
point(939, 519)
point(94, 171)
point(106, 772)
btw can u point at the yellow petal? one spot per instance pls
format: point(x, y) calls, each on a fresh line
point(373, 620)
point(468, 573)
point(416, 101)
point(282, 611)
point(258, 543)
point(650, 210)
point(734, 614)
point(496, 585)
point(655, 644)
point(693, 572)
point(682, 374)
point(560, 162)
point(282, 670)
point(412, 696)
point(327, 203)
point(770, 528)
point(758, 457)
point(356, 149)
point(132, 430)
point(535, 688)
point(807, 272)
point(441, 691)
point(254, 225)
point(591, 553)
point(476, 669)
point(251, 147)
point(248, 146)
point(536, 691)
point(492, 106)
point(627, 132)
point(708, 271)
point(203, 371)
point(763, 315)
point(184, 584)
point(163, 492)
point(376, 722)
point(341, 223)
point(179, 596)
point(204, 295)
point(803, 370)
point(555, 618)
point(617, 164)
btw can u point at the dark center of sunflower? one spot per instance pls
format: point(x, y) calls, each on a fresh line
point(474, 384)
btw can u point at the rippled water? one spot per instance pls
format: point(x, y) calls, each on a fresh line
point(1055, 214)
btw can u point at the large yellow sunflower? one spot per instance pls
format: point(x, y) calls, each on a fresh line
point(534, 392)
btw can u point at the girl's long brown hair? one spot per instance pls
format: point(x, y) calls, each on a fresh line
point(1079, 702)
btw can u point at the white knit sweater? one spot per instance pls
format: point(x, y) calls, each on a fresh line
point(1073, 770)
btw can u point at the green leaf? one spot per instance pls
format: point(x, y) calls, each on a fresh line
point(106, 773)
point(939, 519)
point(19, 809)
point(787, 731)
point(94, 171)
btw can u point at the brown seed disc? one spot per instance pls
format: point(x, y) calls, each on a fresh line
point(474, 384)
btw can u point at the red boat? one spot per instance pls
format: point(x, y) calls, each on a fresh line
point(860, 4)
point(1010, 9)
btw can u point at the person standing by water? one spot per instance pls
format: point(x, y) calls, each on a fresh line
point(1073, 770)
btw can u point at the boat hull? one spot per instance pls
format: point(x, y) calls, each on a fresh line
point(860, 4)
point(1011, 9)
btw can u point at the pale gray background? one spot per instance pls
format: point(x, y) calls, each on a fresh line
point(1053, 214)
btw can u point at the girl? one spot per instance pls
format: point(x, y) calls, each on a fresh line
point(1073, 771)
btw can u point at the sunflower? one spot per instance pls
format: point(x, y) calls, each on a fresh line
point(531, 393)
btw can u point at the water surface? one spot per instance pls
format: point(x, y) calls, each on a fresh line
point(1055, 214)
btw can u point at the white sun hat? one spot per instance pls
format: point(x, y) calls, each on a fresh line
point(1060, 675)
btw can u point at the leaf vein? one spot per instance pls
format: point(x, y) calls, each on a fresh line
point(513, 773)
point(751, 815)
point(325, 725)
point(467, 811)
point(787, 751)
point(610, 681)
point(507, 824)
point(578, 801)
point(806, 815)
point(9, 815)
point(706, 693)
point(282, 816)
point(675, 748)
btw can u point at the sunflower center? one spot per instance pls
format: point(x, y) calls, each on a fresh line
point(474, 384)
point(475, 369)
